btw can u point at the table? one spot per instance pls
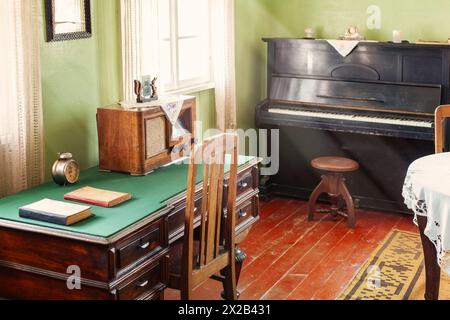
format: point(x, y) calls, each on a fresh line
point(427, 193)
point(123, 252)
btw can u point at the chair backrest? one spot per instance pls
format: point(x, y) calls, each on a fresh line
point(211, 155)
point(442, 113)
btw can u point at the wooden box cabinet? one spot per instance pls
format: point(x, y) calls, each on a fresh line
point(137, 141)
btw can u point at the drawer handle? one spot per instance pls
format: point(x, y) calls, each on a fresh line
point(142, 284)
point(144, 246)
point(242, 213)
point(242, 184)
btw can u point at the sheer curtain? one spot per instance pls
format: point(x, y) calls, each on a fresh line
point(21, 154)
point(137, 55)
point(223, 44)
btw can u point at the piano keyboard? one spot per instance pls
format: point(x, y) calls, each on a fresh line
point(358, 118)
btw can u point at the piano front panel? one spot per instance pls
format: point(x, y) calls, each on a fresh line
point(377, 185)
point(319, 59)
point(400, 63)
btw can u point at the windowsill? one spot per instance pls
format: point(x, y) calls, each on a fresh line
point(192, 89)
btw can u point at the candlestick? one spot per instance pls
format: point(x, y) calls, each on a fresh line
point(397, 36)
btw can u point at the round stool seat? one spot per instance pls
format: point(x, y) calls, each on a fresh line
point(335, 164)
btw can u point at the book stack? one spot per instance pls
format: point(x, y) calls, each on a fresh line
point(67, 214)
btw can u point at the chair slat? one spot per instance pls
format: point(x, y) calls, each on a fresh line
point(205, 196)
point(219, 208)
point(442, 113)
point(212, 213)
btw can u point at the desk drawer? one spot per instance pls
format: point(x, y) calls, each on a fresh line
point(144, 243)
point(150, 280)
point(246, 211)
point(176, 219)
point(246, 181)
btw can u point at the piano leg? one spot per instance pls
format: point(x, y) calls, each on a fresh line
point(432, 269)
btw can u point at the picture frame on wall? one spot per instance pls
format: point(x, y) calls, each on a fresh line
point(68, 19)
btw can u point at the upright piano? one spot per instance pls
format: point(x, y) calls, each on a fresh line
point(375, 106)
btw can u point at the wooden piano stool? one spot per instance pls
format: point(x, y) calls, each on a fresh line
point(333, 183)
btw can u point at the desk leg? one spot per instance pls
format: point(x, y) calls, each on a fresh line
point(432, 269)
point(240, 257)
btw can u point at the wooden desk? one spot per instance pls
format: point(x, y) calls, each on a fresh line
point(122, 252)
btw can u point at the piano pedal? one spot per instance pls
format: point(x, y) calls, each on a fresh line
point(357, 203)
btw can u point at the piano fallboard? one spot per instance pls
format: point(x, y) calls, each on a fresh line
point(401, 98)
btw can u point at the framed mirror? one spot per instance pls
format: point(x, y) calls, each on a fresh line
point(68, 19)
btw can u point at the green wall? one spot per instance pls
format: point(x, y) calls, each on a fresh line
point(417, 19)
point(81, 75)
point(77, 77)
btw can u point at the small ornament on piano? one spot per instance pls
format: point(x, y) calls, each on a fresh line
point(352, 33)
point(309, 34)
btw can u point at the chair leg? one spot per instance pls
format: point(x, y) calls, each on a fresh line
point(351, 219)
point(313, 199)
point(186, 294)
point(185, 291)
point(229, 283)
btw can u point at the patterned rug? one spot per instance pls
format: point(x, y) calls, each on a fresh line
point(395, 271)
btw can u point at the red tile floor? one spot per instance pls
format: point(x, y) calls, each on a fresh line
point(291, 258)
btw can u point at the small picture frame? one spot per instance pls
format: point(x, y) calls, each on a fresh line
point(68, 19)
point(147, 87)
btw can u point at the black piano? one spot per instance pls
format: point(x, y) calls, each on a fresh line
point(375, 106)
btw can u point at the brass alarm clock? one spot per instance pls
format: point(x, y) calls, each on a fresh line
point(65, 170)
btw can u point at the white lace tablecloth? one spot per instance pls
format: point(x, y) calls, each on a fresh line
point(427, 192)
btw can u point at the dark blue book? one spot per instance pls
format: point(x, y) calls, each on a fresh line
point(56, 212)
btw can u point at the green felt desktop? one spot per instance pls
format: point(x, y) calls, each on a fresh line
point(149, 194)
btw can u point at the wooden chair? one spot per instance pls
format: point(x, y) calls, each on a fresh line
point(442, 113)
point(213, 249)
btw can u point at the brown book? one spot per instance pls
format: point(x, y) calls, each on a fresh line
point(55, 212)
point(98, 197)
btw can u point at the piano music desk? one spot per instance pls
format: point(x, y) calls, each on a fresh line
point(122, 252)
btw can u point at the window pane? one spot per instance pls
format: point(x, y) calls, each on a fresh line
point(193, 17)
point(164, 18)
point(193, 58)
point(165, 62)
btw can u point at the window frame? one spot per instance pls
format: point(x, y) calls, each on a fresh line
point(177, 86)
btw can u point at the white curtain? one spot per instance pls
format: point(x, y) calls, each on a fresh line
point(21, 136)
point(138, 56)
point(223, 45)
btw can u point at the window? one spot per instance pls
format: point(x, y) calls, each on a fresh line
point(184, 47)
